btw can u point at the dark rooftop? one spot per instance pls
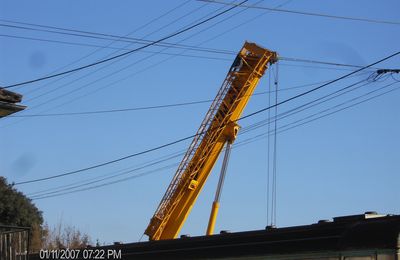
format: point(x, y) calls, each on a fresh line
point(8, 100)
point(356, 232)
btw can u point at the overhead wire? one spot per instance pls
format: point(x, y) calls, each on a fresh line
point(334, 66)
point(189, 48)
point(161, 106)
point(122, 38)
point(324, 85)
point(130, 169)
point(189, 137)
point(158, 63)
point(307, 13)
point(313, 103)
point(48, 194)
point(249, 140)
point(112, 73)
point(169, 157)
point(117, 38)
point(109, 64)
point(125, 53)
point(125, 38)
point(109, 47)
point(341, 104)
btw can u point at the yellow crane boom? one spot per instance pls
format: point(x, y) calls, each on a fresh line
point(218, 128)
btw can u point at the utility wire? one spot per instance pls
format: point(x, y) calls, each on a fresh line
point(125, 53)
point(181, 46)
point(192, 136)
point(112, 73)
point(322, 86)
point(166, 158)
point(122, 38)
point(306, 13)
point(297, 123)
point(249, 140)
point(310, 104)
point(164, 44)
point(68, 191)
point(188, 103)
point(169, 157)
point(119, 38)
point(146, 68)
point(125, 68)
point(110, 47)
point(297, 60)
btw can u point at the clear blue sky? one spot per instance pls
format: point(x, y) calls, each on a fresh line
point(347, 163)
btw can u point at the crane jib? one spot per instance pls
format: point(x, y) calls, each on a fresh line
point(218, 127)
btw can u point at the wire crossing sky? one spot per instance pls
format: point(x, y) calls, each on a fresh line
point(128, 52)
point(189, 137)
point(334, 143)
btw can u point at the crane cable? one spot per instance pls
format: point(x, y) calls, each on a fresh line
point(273, 217)
point(268, 144)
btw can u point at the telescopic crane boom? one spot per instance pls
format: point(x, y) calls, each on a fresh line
point(218, 128)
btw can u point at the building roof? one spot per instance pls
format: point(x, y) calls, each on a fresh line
point(8, 100)
point(357, 232)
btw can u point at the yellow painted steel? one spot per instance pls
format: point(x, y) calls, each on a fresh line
point(216, 129)
point(213, 218)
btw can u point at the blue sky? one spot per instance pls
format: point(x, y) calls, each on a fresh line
point(343, 164)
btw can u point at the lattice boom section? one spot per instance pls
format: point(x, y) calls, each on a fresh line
point(243, 76)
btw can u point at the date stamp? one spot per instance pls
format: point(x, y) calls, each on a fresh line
point(87, 253)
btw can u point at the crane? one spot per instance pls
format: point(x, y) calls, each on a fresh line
point(219, 128)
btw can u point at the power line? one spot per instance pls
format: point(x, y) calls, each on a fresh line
point(151, 163)
point(106, 184)
point(108, 162)
point(309, 104)
point(109, 47)
point(101, 47)
point(195, 48)
point(129, 76)
point(119, 38)
point(125, 53)
point(297, 124)
point(188, 103)
point(124, 67)
point(298, 60)
point(112, 73)
point(164, 44)
point(249, 140)
point(46, 194)
point(323, 85)
point(124, 172)
point(129, 170)
point(169, 157)
point(146, 68)
point(321, 62)
point(118, 173)
point(306, 13)
point(192, 136)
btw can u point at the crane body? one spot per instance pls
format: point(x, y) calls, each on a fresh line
point(218, 128)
